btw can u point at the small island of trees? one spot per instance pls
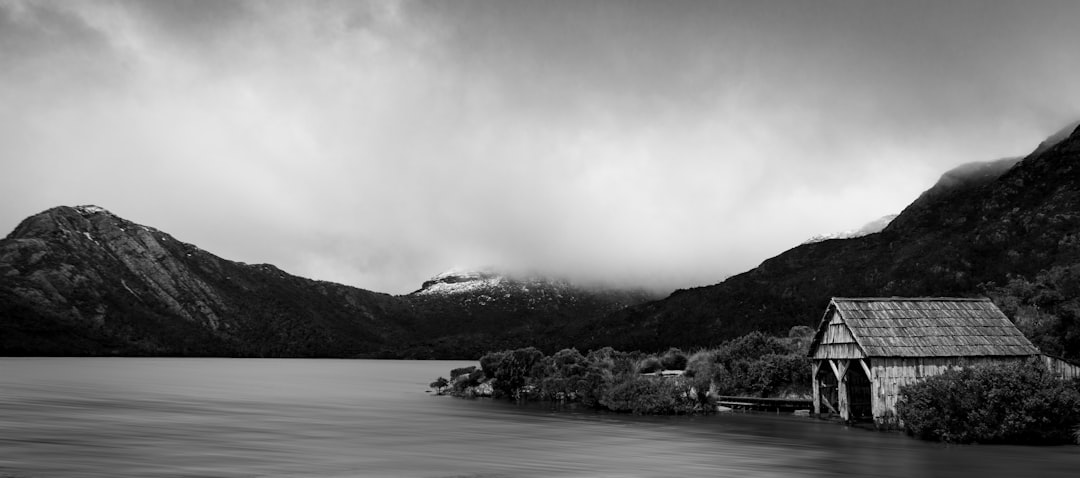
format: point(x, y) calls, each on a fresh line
point(673, 382)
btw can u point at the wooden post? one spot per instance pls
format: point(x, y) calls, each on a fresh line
point(815, 367)
point(875, 408)
point(841, 389)
point(866, 368)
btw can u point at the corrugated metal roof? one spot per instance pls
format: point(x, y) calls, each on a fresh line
point(927, 327)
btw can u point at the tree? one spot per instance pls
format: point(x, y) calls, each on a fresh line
point(439, 385)
point(673, 359)
point(513, 371)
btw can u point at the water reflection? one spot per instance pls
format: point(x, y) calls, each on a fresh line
point(329, 418)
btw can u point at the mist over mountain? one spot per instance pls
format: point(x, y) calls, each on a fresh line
point(982, 225)
point(466, 313)
point(83, 281)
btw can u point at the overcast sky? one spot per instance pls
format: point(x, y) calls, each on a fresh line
point(668, 144)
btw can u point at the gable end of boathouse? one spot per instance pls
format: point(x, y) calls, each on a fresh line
point(865, 349)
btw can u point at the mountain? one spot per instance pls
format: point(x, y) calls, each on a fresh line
point(82, 281)
point(466, 313)
point(980, 226)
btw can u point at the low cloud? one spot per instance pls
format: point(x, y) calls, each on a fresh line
point(379, 143)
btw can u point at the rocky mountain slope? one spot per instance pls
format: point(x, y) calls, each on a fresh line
point(979, 226)
point(82, 281)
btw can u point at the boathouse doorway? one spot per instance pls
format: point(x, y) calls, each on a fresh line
point(827, 391)
point(859, 397)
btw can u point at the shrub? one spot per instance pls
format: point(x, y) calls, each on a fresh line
point(618, 363)
point(562, 375)
point(650, 365)
point(673, 359)
point(464, 381)
point(778, 374)
point(512, 373)
point(594, 384)
point(751, 346)
point(490, 361)
point(700, 364)
point(455, 373)
point(569, 363)
point(644, 395)
point(1010, 403)
point(723, 381)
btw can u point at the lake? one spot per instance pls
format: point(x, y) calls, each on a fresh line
point(171, 417)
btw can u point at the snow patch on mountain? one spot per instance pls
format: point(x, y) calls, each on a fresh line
point(459, 281)
point(90, 209)
point(872, 227)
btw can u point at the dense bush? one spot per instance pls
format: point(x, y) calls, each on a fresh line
point(457, 372)
point(618, 363)
point(562, 376)
point(1012, 403)
point(751, 347)
point(490, 361)
point(650, 365)
point(465, 379)
point(673, 359)
point(760, 365)
point(514, 369)
point(700, 364)
point(607, 378)
point(650, 395)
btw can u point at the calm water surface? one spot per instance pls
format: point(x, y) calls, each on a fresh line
point(134, 417)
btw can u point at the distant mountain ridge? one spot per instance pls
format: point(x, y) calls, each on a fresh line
point(469, 312)
point(83, 281)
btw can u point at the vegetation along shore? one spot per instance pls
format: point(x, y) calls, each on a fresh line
point(1019, 402)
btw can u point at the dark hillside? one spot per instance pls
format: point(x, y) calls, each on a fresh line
point(82, 281)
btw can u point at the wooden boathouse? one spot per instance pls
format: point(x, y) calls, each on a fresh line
point(866, 349)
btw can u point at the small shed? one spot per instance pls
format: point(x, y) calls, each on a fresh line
point(867, 348)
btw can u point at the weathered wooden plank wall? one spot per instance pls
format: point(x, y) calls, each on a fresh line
point(1061, 367)
point(838, 343)
point(839, 351)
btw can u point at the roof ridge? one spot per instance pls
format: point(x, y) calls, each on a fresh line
point(926, 327)
point(913, 299)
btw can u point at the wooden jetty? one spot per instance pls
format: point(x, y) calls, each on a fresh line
point(765, 404)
